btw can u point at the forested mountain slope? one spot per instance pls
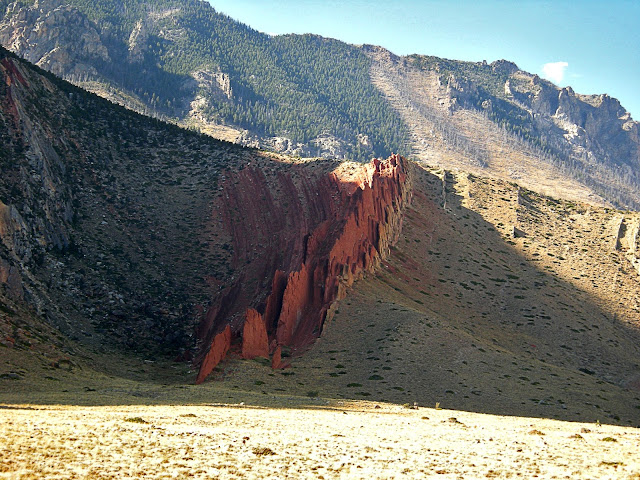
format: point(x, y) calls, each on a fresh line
point(496, 119)
point(184, 60)
point(307, 95)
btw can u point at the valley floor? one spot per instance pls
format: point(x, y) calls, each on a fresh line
point(332, 439)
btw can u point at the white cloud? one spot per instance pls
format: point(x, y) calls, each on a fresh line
point(554, 71)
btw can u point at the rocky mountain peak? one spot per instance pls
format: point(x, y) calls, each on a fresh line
point(504, 67)
point(54, 36)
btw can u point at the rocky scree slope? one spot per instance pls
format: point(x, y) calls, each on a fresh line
point(119, 228)
point(494, 119)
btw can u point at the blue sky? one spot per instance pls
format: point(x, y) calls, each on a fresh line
point(592, 45)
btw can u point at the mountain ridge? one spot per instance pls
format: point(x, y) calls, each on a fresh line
point(512, 121)
point(309, 96)
point(169, 61)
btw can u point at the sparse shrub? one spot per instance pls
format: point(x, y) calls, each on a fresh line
point(135, 420)
point(263, 451)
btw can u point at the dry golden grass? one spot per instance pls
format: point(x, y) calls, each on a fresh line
point(339, 440)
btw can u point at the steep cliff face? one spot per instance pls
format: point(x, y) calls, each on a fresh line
point(41, 178)
point(298, 242)
point(53, 36)
point(595, 127)
point(35, 200)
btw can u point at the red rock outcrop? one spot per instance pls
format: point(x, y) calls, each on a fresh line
point(255, 342)
point(299, 239)
point(218, 349)
point(276, 360)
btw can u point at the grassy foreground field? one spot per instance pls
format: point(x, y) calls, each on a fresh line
point(144, 423)
point(334, 440)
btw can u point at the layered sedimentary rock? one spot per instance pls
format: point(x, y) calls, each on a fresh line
point(299, 240)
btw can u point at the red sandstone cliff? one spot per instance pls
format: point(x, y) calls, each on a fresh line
point(299, 240)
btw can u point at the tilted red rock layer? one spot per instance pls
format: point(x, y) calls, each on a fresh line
point(299, 240)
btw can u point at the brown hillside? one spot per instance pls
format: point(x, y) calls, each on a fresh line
point(119, 234)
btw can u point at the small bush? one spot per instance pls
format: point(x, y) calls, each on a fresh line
point(135, 420)
point(263, 451)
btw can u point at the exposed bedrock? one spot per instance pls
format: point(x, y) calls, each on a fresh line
point(299, 239)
